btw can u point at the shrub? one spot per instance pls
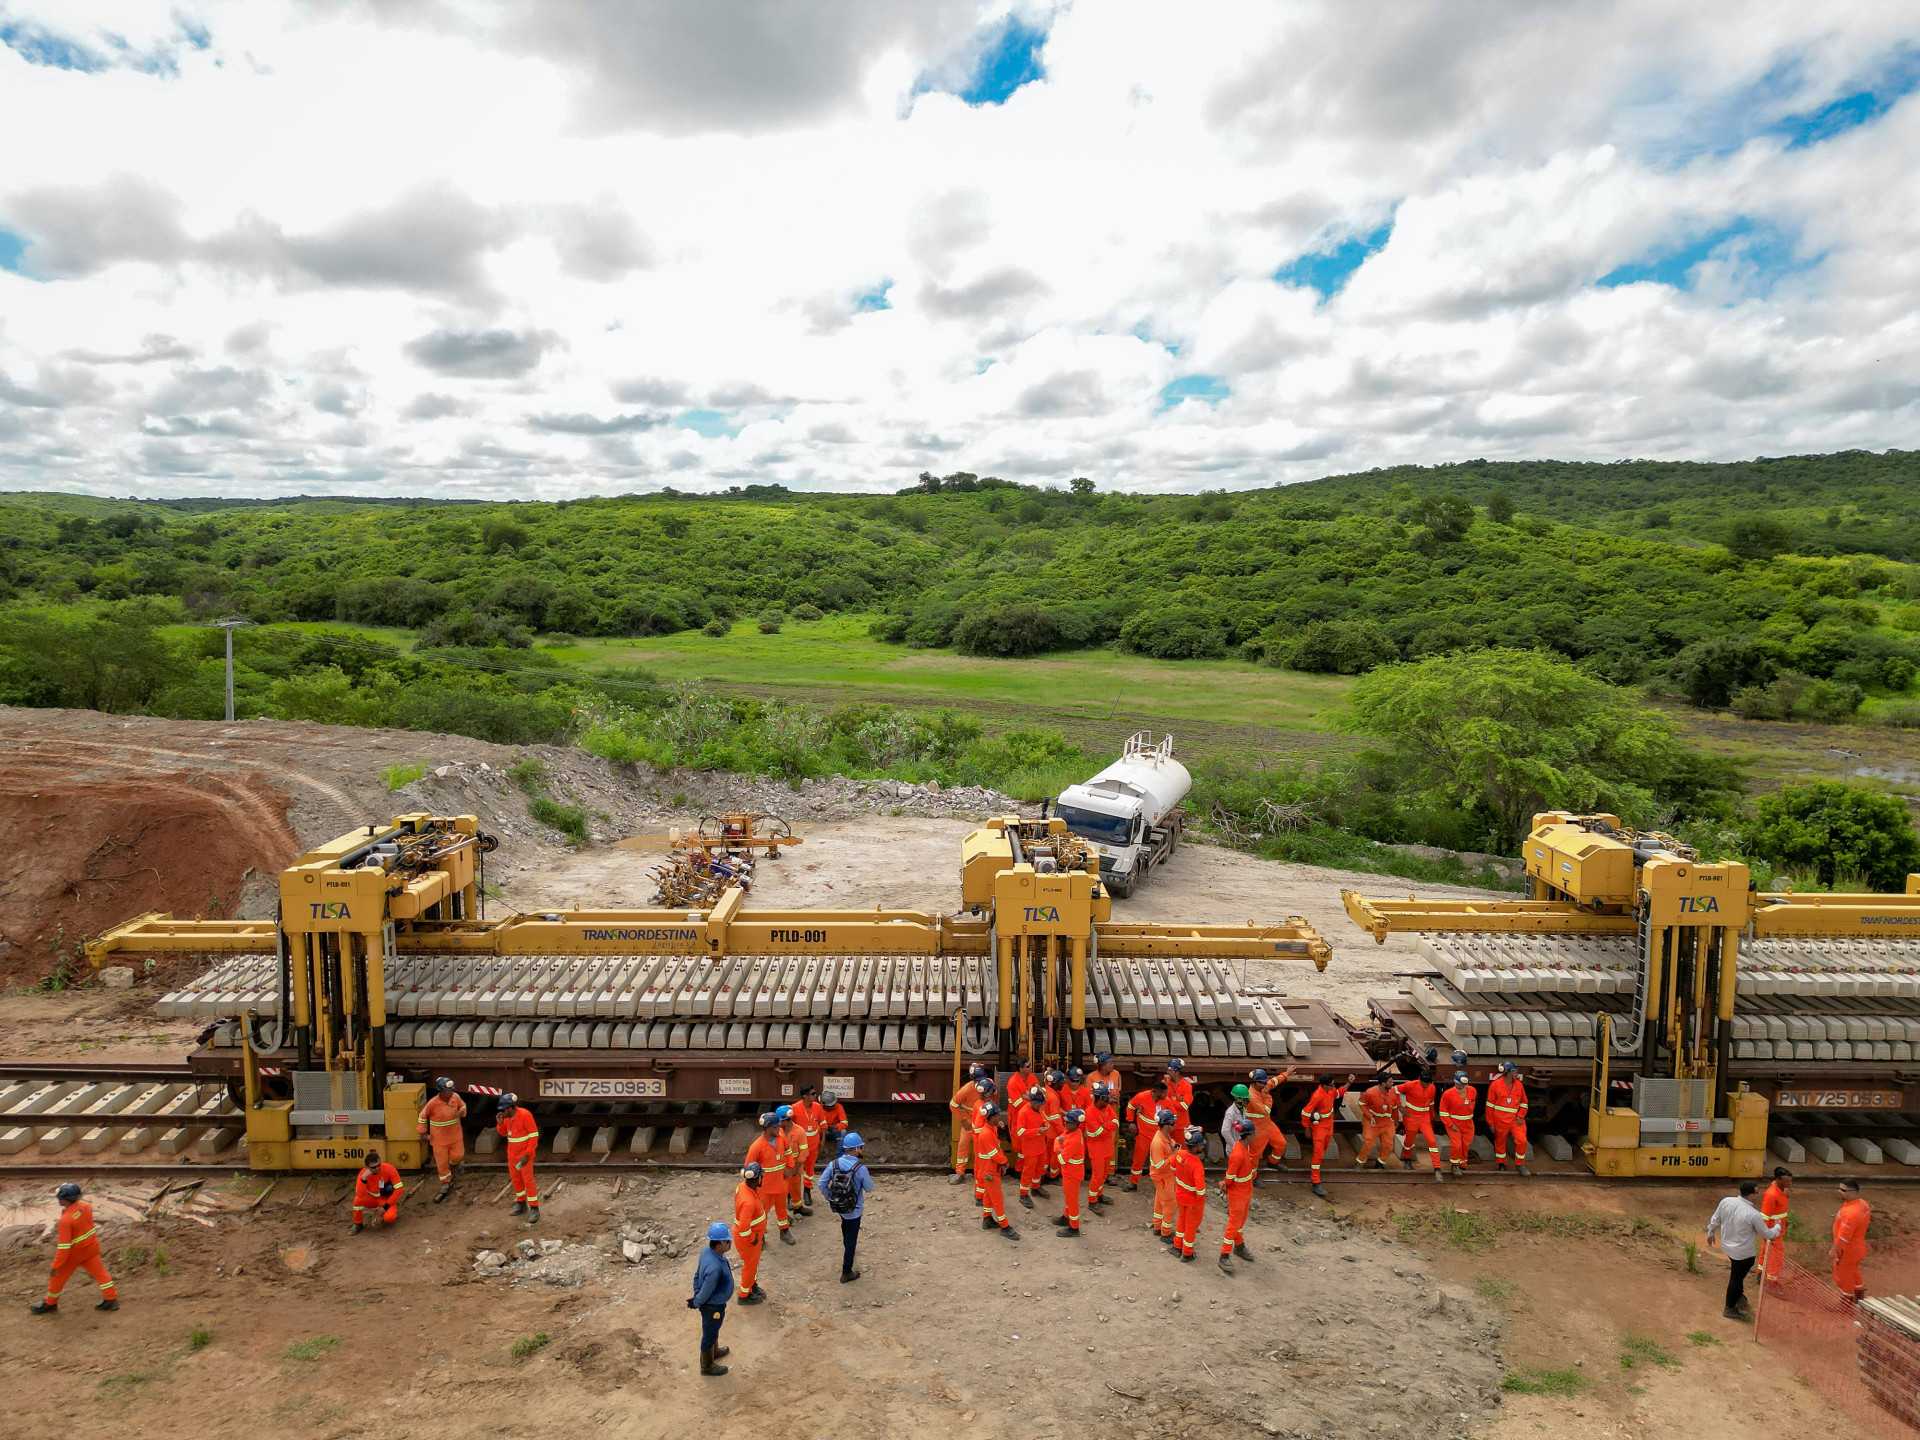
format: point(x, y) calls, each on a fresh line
point(716, 627)
point(1004, 630)
point(529, 1344)
point(503, 719)
point(1176, 632)
point(400, 776)
point(1904, 717)
point(1709, 671)
point(1773, 701)
point(1758, 537)
point(771, 621)
point(807, 612)
point(468, 627)
point(1334, 647)
point(1828, 701)
point(1831, 829)
point(569, 820)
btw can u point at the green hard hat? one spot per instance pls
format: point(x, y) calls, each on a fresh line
point(1240, 1092)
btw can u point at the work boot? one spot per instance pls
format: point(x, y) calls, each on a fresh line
point(1186, 1257)
point(1321, 1191)
point(1103, 1200)
point(1729, 1313)
point(959, 1178)
point(720, 1352)
point(41, 1307)
point(355, 1228)
point(1523, 1170)
point(1133, 1185)
point(108, 1305)
point(1039, 1193)
point(1437, 1177)
point(849, 1277)
point(708, 1366)
point(1067, 1232)
point(803, 1210)
point(754, 1296)
point(1408, 1162)
point(1501, 1166)
point(987, 1222)
point(533, 1215)
point(446, 1189)
point(1061, 1220)
point(1009, 1232)
point(1027, 1200)
point(519, 1208)
point(1225, 1263)
point(1241, 1250)
point(1359, 1164)
point(1379, 1164)
point(786, 1238)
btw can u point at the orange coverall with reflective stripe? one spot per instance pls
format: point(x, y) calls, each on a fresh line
point(1507, 1115)
point(1850, 1235)
point(1379, 1118)
point(367, 1196)
point(962, 1106)
point(1317, 1119)
point(808, 1111)
point(1073, 1171)
point(1101, 1128)
point(523, 1139)
point(793, 1145)
point(749, 1231)
point(1029, 1126)
point(77, 1247)
point(1456, 1113)
point(1266, 1134)
point(772, 1160)
point(1180, 1101)
point(1165, 1208)
point(1190, 1197)
point(1239, 1182)
point(1416, 1103)
point(440, 1121)
point(1774, 1207)
point(988, 1157)
point(1142, 1110)
point(1056, 1127)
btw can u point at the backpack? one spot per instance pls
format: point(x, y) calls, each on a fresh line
point(843, 1190)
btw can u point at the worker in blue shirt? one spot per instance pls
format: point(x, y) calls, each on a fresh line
point(712, 1288)
point(846, 1184)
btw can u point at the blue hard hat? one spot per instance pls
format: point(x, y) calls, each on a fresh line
point(67, 1193)
point(784, 1112)
point(507, 1101)
point(985, 1082)
point(1460, 1077)
point(989, 1110)
point(770, 1117)
point(718, 1231)
point(1433, 1054)
point(1243, 1127)
point(851, 1140)
point(1074, 1117)
point(1196, 1137)
point(1103, 1058)
point(752, 1171)
point(1176, 1063)
point(1163, 1117)
point(445, 1082)
point(1101, 1092)
point(1459, 1057)
point(1036, 1095)
point(1258, 1077)
point(1054, 1077)
point(1074, 1072)
point(1507, 1067)
point(978, 1072)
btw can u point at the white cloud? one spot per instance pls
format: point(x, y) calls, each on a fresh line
point(467, 249)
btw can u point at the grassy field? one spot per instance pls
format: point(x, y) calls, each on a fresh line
point(837, 653)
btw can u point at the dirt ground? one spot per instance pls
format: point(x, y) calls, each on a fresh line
point(1355, 1319)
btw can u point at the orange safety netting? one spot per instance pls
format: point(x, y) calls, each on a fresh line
point(1863, 1367)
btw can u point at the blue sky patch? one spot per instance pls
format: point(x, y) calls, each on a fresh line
point(874, 299)
point(1210, 388)
point(1011, 59)
point(710, 423)
point(1326, 272)
point(1898, 78)
point(1758, 253)
point(37, 46)
point(11, 249)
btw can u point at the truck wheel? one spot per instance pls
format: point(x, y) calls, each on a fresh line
point(1120, 890)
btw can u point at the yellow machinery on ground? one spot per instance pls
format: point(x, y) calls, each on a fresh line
point(389, 918)
point(1669, 1018)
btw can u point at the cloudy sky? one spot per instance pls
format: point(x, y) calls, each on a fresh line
point(540, 250)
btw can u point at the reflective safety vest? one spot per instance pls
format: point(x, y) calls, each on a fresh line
point(1239, 1166)
point(771, 1159)
point(1161, 1155)
point(809, 1112)
point(520, 1128)
point(1189, 1175)
point(442, 1111)
point(1457, 1104)
point(76, 1225)
point(1377, 1105)
point(749, 1215)
point(964, 1099)
point(1319, 1109)
point(1073, 1148)
point(1144, 1110)
point(1098, 1126)
point(986, 1149)
point(1507, 1099)
point(1417, 1096)
point(1259, 1102)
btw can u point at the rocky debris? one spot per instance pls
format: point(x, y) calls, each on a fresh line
point(490, 1262)
point(634, 1253)
point(644, 1240)
point(117, 977)
point(566, 1268)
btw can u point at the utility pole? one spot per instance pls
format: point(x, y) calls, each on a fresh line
point(1847, 757)
point(230, 624)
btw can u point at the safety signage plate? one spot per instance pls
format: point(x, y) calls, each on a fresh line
point(1839, 1100)
point(840, 1087)
point(572, 1089)
point(736, 1087)
point(909, 1094)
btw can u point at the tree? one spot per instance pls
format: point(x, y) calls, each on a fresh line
point(1500, 507)
point(1709, 671)
point(1758, 537)
point(1333, 647)
point(1503, 734)
point(1080, 485)
point(116, 660)
point(1838, 832)
point(1447, 517)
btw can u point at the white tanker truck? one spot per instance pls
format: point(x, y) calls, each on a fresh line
point(1130, 811)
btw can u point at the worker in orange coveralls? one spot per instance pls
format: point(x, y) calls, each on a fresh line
point(1078, 1095)
point(76, 1247)
point(988, 1157)
point(1165, 1208)
point(1774, 1206)
point(1031, 1143)
point(808, 1113)
point(793, 1146)
point(1055, 1091)
point(1850, 1243)
point(1379, 1121)
point(833, 1124)
point(1317, 1120)
point(1456, 1113)
point(1102, 1129)
point(1190, 1191)
point(377, 1188)
point(1144, 1110)
point(769, 1153)
point(1416, 1103)
point(750, 1230)
point(965, 1100)
point(1266, 1134)
point(1022, 1080)
point(1073, 1171)
point(1239, 1188)
point(1179, 1095)
point(1507, 1116)
point(522, 1132)
point(440, 1121)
